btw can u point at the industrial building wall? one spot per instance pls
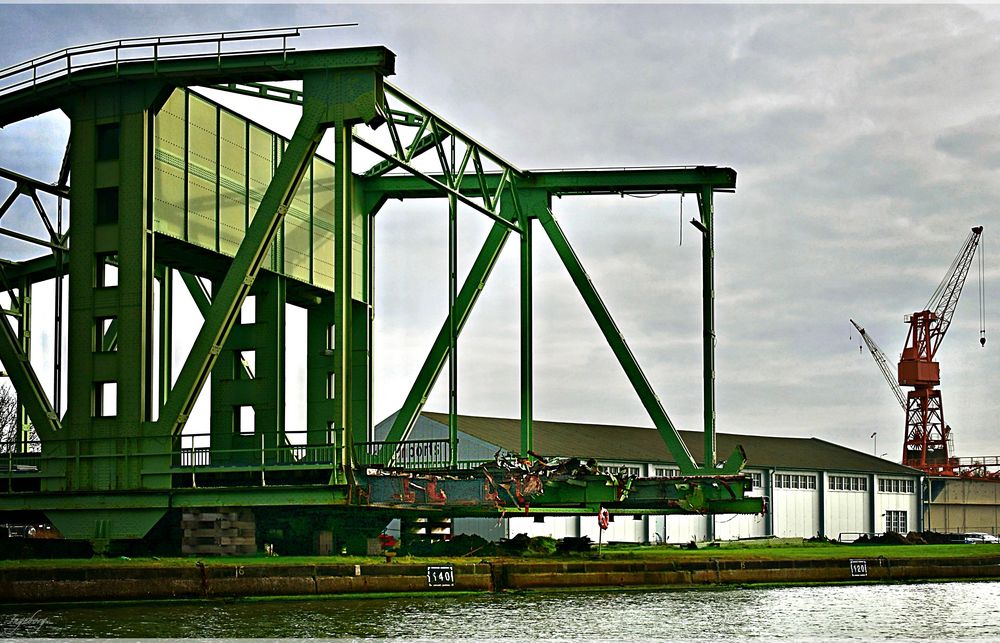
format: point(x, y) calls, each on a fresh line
point(551, 526)
point(738, 526)
point(847, 512)
point(677, 529)
point(962, 506)
point(488, 528)
point(892, 500)
point(622, 529)
point(794, 509)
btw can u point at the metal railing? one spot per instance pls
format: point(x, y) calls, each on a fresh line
point(30, 73)
point(193, 453)
point(412, 454)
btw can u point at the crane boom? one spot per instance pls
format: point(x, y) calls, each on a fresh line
point(883, 365)
point(945, 297)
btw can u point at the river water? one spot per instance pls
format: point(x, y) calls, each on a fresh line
point(939, 611)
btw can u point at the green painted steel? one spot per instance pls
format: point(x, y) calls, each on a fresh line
point(31, 396)
point(527, 318)
point(706, 208)
point(165, 181)
point(616, 341)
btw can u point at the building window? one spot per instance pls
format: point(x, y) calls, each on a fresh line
point(848, 483)
point(106, 206)
point(105, 399)
point(666, 472)
point(108, 137)
point(794, 481)
point(895, 521)
point(633, 472)
point(896, 485)
point(758, 479)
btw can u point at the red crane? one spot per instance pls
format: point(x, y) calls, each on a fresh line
point(925, 445)
point(926, 439)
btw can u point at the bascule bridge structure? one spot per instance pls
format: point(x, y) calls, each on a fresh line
point(161, 184)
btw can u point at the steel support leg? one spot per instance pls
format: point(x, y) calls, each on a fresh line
point(527, 384)
point(343, 255)
point(706, 208)
point(452, 329)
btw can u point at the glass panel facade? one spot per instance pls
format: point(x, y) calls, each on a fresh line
point(211, 171)
point(202, 166)
point(323, 224)
point(297, 228)
point(168, 170)
point(232, 182)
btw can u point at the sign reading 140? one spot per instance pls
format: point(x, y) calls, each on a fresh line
point(441, 576)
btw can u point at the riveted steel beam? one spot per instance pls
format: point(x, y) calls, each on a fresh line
point(691, 180)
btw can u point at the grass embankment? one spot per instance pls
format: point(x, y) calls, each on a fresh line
point(776, 549)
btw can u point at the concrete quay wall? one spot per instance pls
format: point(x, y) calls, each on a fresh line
point(26, 584)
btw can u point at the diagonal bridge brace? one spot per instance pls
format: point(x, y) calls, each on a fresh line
point(615, 339)
point(29, 388)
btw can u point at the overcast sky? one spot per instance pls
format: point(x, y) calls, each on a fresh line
point(866, 142)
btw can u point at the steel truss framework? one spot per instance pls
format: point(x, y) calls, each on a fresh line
point(166, 183)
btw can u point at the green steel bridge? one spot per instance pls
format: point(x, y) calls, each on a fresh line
point(160, 183)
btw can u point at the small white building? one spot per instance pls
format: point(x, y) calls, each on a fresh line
point(814, 487)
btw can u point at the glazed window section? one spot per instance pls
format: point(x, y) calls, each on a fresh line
point(895, 521)
point(666, 472)
point(794, 481)
point(896, 485)
point(758, 479)
point(848, 483)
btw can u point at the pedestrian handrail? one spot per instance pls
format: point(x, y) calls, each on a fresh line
point(63, 62)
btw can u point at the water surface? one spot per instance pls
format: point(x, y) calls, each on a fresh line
point(860, 612)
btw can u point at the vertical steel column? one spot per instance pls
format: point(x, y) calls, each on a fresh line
point(452, 328)
point(706, 208)
point(321, 427)
point(343, 254)
point(109, 393)
point(527, 384)
point(57, 313)
point(24, 340)
point(268, 340)
point(228, 444)
point(235, 387)
point(166, 316)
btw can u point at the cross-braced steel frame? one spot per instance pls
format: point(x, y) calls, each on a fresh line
point(166, 183)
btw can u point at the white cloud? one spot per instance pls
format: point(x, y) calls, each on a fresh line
point(866, 144)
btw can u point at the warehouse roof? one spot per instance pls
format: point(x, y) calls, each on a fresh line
point(642, 444)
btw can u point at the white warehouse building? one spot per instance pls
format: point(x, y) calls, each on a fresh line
point(814, 487)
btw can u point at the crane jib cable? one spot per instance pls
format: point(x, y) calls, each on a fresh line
point(982, 293)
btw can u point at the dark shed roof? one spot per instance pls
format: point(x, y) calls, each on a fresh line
point(641, 444)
